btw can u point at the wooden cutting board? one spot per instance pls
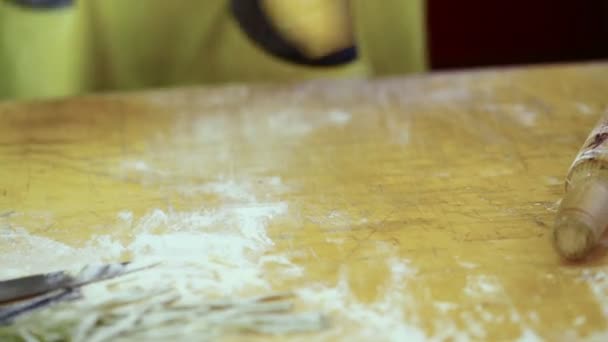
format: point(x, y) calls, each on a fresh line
point(417, 206)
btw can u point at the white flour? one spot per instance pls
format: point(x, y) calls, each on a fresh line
point(467, 265)
point(384, 319)
point(205, 254)
point(482, 285)
point(294, 122)
point(597, 281)
point(227, 251)
point(584, 108)
point(398, 128)
point(529, 335)
point(24, 253)
point(232, 237)
point(521, 113)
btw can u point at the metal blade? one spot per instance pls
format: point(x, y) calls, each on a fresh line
point(29, 286)
point(11, 311)
point(22, 295)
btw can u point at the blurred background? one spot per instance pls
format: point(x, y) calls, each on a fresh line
point(51, 48)
point(474, 33)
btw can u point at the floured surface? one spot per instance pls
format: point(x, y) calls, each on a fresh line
point(403, 209)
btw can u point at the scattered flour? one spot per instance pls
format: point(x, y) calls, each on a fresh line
point(394, 91)
point(295, 122)
point(553, 181)
point(229, 189)
point(24, 253)
point(136, 165)
point(339, 117)
point(467, 265)
point(139, 170)
point(482, 285)
point(584, 108)
point(203, 254)
point(528, 335)
point(229, 239)
point(398, 128)
point(526, 117)
point(226, 246)
point(226, 250)
point(481, 288)
point(451, 94)
point(523, 114)
point(580, 320)
point(534, 317)
point(597, 280)
point(241, 191)
point(384, 319)
point(336, 241)
point(125, 216)
point(445, 307)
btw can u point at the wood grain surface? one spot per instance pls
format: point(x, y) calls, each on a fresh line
point(422, 206)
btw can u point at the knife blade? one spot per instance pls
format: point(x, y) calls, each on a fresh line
point(29, 293)
point(34, 285)
point(29, 286)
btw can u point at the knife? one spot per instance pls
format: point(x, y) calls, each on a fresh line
point(29, 286)
point(25, 294)
point(33, 285)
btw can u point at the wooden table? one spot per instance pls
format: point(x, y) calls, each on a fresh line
point(418, 206)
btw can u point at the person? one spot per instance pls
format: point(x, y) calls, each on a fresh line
point(51, 48)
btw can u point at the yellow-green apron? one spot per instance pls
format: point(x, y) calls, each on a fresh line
point(96, 45)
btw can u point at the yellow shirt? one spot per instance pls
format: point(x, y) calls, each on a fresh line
point(96, 45)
